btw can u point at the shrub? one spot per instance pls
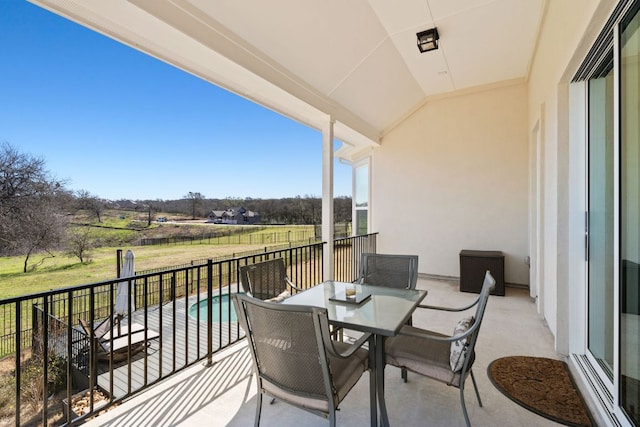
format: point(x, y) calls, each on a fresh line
point(7, 395)
point(32, 386)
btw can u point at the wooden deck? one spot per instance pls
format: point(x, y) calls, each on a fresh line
point(182, 343)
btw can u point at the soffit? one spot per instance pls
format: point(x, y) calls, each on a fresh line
point(355, 61)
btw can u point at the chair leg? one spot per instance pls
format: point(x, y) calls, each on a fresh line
point(404, 370)
point(332, 417)
point(462, 402)
point(258, 408)
point(464, 406)
point(373, 404)
point(475, 386)
point(337, 334)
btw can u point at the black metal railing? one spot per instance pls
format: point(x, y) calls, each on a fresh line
point(184, 315)
point(346, 255)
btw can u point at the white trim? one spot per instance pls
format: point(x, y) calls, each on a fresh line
point(594, 395)
point(616, 213)
point(361, 163)
point(327, 199)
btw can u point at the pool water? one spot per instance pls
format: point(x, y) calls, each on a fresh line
point(220, 305)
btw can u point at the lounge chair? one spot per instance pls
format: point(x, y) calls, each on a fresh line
point(116, 340)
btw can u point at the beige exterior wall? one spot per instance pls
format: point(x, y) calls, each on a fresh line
point(473, 155)
point(463, 182)
point(569, 29)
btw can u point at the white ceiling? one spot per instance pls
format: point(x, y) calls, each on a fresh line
point(354, 60)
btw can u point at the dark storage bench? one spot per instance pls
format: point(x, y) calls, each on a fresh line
point(474, 264)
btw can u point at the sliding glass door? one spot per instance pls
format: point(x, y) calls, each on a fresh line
point(600, 225)
point(613, 213)
point(629, 334)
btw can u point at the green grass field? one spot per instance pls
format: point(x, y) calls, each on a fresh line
point(63, 271)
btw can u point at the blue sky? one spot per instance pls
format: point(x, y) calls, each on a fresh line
point(120, 124)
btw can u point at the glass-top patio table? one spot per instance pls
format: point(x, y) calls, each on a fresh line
point(383, 314)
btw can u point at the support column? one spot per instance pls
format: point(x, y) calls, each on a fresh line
point(327, 199)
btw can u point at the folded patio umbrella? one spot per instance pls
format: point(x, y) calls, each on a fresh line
point(123, 293)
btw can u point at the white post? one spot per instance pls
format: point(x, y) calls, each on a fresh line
point(327, 199)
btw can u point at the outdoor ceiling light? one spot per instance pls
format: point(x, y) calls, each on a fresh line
point(428, 40)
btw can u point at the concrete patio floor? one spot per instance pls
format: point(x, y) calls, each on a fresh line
point(224, 394)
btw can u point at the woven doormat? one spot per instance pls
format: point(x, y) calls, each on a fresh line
point(543, 386)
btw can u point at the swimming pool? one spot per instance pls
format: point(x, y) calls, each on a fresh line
point(220, 304)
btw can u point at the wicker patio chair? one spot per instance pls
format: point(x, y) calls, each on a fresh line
point(392, 271)
point(267, 280)
point(295, 359)
point(447, 359)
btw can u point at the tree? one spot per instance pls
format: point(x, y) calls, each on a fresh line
point(31, 205)
point(80, 242)
point(151, 209)
point(91, 203)
point(195, 200)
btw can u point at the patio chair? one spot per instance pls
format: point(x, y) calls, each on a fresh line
point(447, 359)
point(392, 271)
point(295, 359)
point(119, 345)
point(267, 280)
point(114, 324)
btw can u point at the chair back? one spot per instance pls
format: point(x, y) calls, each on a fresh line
point(264, 280)
point(104, 327)
point(392, 271)
point(287, 347)
point(487, 286)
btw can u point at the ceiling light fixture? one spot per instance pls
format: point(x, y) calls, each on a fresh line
point(428, 40)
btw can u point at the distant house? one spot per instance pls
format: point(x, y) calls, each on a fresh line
point(234, 216)
point(126, 204)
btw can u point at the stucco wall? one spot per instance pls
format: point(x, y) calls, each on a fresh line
point(568, 30)
point(454, 176)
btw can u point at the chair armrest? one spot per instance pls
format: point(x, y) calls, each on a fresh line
point(452, 309)
point(328, 343)
point(425, 334)
point(290, 283)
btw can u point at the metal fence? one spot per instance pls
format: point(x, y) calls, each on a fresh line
point(186, 309)
point(235, 238)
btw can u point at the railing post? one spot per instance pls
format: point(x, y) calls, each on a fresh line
point(118, 262)
point(209, 312)
point(70, 355)
point(18, 353)
point(45, 361)
point(93, 362)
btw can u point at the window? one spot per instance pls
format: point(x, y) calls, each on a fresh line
point(361, 198)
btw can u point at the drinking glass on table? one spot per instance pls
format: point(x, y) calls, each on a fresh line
point(350, 290)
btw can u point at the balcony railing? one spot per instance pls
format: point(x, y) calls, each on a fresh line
point(185, 314)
